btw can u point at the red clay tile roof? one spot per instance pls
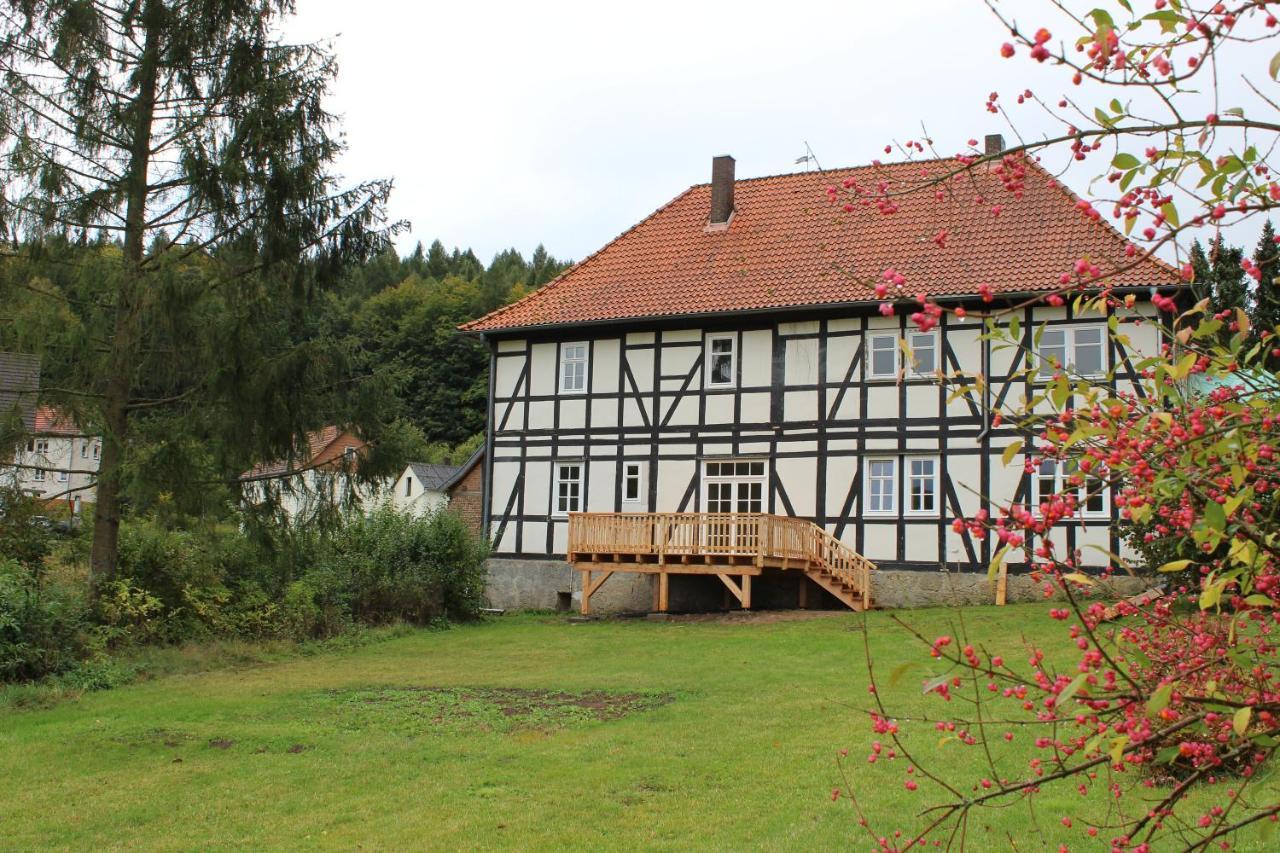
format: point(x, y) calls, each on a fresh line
point(318, 442)
point(50, 421)
point(787, 246)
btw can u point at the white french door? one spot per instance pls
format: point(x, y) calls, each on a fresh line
point(733, 487)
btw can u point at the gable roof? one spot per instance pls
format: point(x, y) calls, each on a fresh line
point(321, 449)
point(19, 385)
point(465, 468)
point(433, 477)
point(787, 246)
point(51, 421)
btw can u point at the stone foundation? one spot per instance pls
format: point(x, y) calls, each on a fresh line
point(553, 585)
point(897, 588)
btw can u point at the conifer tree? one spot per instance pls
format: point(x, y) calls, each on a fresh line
point(1266, 302)
point(196, 142)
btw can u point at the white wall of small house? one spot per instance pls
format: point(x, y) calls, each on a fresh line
point(64, 469)
point(801, 399)
point(418, 501)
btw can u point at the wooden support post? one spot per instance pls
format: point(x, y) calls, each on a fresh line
point(803, 598)
point(1002, 584)
point(731, 588)
point(662, 591)
point(657, 584)
point(589, 588)
point(746, 592)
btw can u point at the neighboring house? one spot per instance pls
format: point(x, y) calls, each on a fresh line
point(314, 479)
point(465, 490)
point(19, 388)
point(58, 462)
point(725, 357)
point(424, 487)
point(420, 489)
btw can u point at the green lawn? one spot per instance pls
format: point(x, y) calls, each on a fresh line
point(702, 734)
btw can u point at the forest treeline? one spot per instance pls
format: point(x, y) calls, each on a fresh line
point(229, 359)
point(405, 311)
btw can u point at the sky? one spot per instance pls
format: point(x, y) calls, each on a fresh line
point(564, 123)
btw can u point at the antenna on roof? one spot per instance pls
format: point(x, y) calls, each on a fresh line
point(809, 158)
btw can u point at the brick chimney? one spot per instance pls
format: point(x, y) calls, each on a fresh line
point(995, 144)
point(721, 189)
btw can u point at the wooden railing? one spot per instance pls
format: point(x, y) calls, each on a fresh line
point(662, 536)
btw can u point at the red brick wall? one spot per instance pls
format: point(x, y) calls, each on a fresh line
point(466, 498)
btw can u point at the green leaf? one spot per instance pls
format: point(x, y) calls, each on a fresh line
point(1117, 748)
point(1124, 160)
point(1170, 213)
point(996, 562)
point(1211, 596)
point(1174, 566)
point(1011, 451)
point(1259, 600)
point(1215, 516)
point(1240, 722)
point(900, 670)
point(1160, 699)
point(1076, 577)
point(1070, 691)
point(1274, 68)
point(934, 683)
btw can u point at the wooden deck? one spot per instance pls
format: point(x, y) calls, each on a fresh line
point(727, 545)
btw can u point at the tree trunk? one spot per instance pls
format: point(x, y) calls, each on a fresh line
point(125, 341)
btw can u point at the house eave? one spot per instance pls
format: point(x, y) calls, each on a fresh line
point(789, 311)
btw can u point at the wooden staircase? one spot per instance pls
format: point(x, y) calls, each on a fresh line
point(840, 570)
point(723, 544)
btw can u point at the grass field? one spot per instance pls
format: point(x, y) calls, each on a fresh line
point(521, 732)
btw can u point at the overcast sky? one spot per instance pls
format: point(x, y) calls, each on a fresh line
point(564, 123)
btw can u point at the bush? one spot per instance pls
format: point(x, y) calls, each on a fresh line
point(397, 567)
point(176, 586)
point(44, 629)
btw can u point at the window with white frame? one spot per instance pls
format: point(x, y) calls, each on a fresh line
point(38, 476)
point(97, 448)
point(922, 485)
point(573, 368)
point(568, 486)
point(408, 486)
point(924, 352)
point(1054, 477)
point(1078, 349)
point(62, 476)
point(631, 482)
point(881, 487)
point(84, 449)
point(42, 446)
point(721, 360)
point(882, 358)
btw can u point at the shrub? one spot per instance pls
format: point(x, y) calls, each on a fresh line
point(397, 567)
point(44, 629)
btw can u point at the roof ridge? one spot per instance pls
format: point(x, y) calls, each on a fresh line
point(874, 164)
point(542, 291)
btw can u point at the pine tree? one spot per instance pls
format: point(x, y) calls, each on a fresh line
point(198, 143)
point(437, 261)
point(1266, 301)
point(1218, 275)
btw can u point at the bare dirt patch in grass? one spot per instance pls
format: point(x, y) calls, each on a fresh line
point(461, 710)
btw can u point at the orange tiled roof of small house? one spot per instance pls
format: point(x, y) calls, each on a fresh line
point(787, 246)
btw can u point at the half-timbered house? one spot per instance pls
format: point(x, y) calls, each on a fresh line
point(716, 392)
